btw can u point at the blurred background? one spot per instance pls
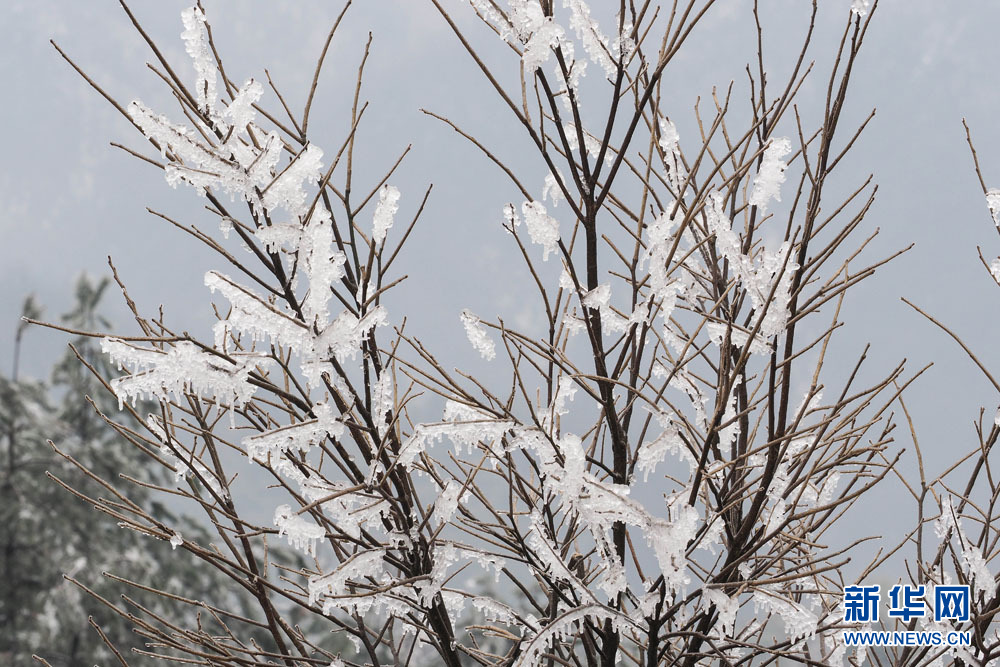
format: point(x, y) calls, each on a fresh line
point(69, 200)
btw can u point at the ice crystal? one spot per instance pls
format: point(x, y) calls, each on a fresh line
point(183, 367)
point(385, 210)
point(195, 38)
point(542, 228)
point(993, 201)
point(477, 335)
point(589, 33)
point(301, 533)
point(670, 145)
point(767, 185)
point(176, 540)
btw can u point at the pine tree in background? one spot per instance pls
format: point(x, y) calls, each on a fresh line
point(46, 532)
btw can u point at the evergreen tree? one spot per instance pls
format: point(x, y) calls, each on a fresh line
point(48, 538)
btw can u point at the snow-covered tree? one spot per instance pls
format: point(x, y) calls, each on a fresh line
point(656, 478)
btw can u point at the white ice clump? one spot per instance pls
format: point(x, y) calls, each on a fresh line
point(385, 210)
point(287, 189)
point(800, 622)
point(589, 33)
point(462, 424)
point(995, 269)
point(176, 540)
point(240, 112)
point(566, 626)
point(196, 44)
point(538, 33)
point(771, 175)
point(670, 145)
point(300, 437)
point(993, 201)
point(654, 452)
point(333, 586)
point(726, 607)
point(948, 526)
point(771, 271)
point(181, 368)
point(301, 533)
point(477, 335)
point(447, 501)
point(542, 228)
point(551, 189)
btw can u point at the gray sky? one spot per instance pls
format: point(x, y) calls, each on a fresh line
point(68, 199)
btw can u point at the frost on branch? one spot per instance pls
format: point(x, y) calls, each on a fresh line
point(767, 185)
point(300, 532)
point(537, 32)
point(477, 335)
point(287, 190)
point(388, 204)
point(298, 437)
point(993, 201)
point(654, 452)
point(566, 625)
point(726, 608)
point(771, 273)
point(195, 38)
point(949, 528)
point(670, 145)
point(447, 501)
point(181, 368)
point(334, 589)
point(176, 540)
point(589, 33)
point(462, 424)
point(542, 228)
point(800, 622)
point(551, 188)
point(860, 7)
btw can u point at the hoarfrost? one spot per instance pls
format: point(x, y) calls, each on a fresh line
point(287, 189)
point(301, 533)
point(551, 189)
point(383, 401)
point(972, 558)
point(542, 228)
point(181, 368)
point(726, 608)
point(589, 33)
point(299, 436)
point(771, 175)
point(654, 452)
point(240, 112)
point(995, 269)
point(476, 333)
point(538, 33)
point(196, 44)
point(388, 204)
point(334, 585)
point(800, 623)
point(993, 201)
point(772, 271)
point(462, 424)
point(670, 144)
point(566, 625)
point(447, 501)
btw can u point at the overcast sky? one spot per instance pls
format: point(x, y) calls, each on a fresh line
point(68, 199)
